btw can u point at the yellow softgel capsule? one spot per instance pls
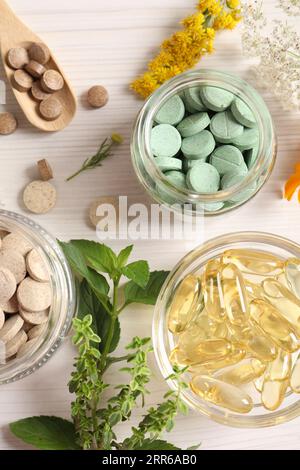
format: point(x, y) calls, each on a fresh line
point(209, 351)
point(179, 358)
point(243, 373)
point(211, 291)
point(236, 354)
point(181, 310)
point(284, 300)
point(272, 323)
point(197, 331)
point(234, 295)
point(221, 394)
point(261, 346)
point(254, 262)
point(273, 393)
point(280, 368)
point(292, 274)
point(295, 376)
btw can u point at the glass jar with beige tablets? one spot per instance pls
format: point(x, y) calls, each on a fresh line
point(37, 296)
point(229, 313)
point(204, 142)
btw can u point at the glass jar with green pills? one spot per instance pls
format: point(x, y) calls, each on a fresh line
point(204, 139)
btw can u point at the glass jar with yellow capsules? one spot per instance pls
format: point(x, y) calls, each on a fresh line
point(229, 315)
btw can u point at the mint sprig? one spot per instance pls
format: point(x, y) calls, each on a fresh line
point(99, 273)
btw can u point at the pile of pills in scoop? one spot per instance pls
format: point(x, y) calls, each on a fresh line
point(25, 296)
point(31, 75)
point(205, 140)
point(236, 325)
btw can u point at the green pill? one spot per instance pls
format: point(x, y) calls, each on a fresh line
point(213, 206)
point(216, 99)
point(203, 178)
point(192, 99)
point(227, 158)
point(177, 178)
point(193, 124)
point(250, 157)
point(225, 128)
point(165, 140)
point(233, 179)
point(247, 140)
point(243, 113)
point(198, 146)
point(172, 112)
point(168, 163)
point(187, 164)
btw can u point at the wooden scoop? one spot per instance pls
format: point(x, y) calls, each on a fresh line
point(13, 33)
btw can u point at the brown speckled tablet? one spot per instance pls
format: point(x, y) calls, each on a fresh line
point(34, 296)
point(52, 81)
point(97, 96)
point(8, 123)
point(16, 242)
point(22, 81)
point(50, 109)
point(15, 263)
point(11, 327)
point(7, 285)
point(37, 92)
point(14, 345)
point(35, 318)
point(12, 305)
point(17, 57)
point(36, 266)
point(39, 197)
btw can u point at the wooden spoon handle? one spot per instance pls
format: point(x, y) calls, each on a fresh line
point(7, 18)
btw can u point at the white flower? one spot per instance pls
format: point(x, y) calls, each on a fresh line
point(278, 52)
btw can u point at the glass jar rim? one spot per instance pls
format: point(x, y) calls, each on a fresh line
point(219, 415)
point(177, 84)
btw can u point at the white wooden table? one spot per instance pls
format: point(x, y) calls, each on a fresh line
point(109, 42)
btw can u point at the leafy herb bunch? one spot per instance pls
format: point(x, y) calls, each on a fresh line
point(97, 329)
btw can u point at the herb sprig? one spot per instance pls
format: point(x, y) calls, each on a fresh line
point(96, 160)
point(97, 333)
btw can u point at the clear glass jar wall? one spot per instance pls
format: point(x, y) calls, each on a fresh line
point(63, 297)
point(160, 188)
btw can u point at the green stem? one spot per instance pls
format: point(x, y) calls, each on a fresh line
point(75, 174)
point(114, 316)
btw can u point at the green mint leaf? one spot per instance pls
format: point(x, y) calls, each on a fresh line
point(78, 264)
point(157, 444)
point(97, 255)
point(46, 433)
point(135, 294)
point(75, 259)
point(138, 272)
point(124, 256)
point(89, 304)
point(195, 447)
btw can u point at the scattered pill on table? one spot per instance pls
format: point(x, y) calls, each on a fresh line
point(8, 123)
point(39, 197)
point(38, 93)
point(51, 108)
point(95, 216)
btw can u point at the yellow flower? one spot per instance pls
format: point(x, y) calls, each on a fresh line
point(182, 50)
